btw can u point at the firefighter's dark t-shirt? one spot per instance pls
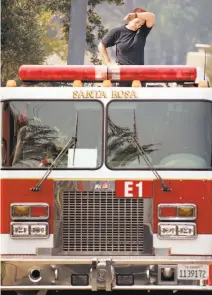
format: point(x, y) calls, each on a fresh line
point(129, 44)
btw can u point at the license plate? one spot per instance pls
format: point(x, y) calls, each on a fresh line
point(192, 272)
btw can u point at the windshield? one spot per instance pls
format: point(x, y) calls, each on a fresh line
point(39, 130)
point(173, 134)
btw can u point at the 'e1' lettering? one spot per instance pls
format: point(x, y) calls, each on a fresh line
point(133, 189)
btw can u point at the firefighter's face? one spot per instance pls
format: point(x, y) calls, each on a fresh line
point(136, 23)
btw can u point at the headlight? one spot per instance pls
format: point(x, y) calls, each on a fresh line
point(38, 230)
point(20, 230)
point(186, 230)
point(177, 231)
point(167, 230)
point(29, 230)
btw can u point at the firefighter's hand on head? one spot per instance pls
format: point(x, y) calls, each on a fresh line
point(130, 17)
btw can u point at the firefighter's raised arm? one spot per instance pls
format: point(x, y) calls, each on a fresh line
point(147, 17)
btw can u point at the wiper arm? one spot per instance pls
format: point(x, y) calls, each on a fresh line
point(75, 143)
point(135, 132)
point(142, 152)
point(71, 143)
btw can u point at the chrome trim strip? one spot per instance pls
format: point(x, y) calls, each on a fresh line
point(29, 236)
point(132, 260)
point(177, 205)
point(45, 205)
point(137, 287)
point(177, 237)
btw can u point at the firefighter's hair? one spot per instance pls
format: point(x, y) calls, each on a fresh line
point(137, 10)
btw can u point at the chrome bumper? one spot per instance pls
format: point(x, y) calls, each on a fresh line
point(55, 273)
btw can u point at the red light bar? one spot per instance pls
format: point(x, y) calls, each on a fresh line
point(62, 73)
point(153, 73)
point(114, 73)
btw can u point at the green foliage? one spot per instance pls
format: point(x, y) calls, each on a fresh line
point(95, 27)
point(20, 37)
point(30, 33)
point(180, 24)
point(53, 38)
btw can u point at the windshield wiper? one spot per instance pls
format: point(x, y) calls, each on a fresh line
point(71, 143)
point(75, 143)
point(135, 132)
point(141, 152)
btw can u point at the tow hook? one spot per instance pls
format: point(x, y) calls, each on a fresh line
point(102, 275)
point(56, 274)
point(151, 274)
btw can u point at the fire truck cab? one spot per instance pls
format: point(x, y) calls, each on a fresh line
point(106, 188)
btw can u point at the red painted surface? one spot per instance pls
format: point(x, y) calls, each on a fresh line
point(18, 190)
point(136, 188)
point(198, 192)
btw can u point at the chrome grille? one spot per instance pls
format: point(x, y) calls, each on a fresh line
point(98, 222)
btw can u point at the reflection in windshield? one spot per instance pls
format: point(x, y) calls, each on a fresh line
point(172, 134)
point(39, 130)
point(121, 150)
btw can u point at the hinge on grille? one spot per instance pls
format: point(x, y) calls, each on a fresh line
point(102, 275)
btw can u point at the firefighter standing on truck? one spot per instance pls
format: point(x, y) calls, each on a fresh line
point(129, 39)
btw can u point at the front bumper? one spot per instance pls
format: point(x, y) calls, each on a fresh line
point(98, 273)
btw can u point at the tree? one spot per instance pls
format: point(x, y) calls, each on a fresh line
point(52, 39)
point(30, 32)
point(180, 24)
point(95, 27)
point(21, 36)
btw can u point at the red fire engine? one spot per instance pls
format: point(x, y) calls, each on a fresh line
point(107, 188)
